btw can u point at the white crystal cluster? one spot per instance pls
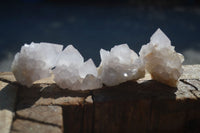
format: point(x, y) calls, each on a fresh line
point(120, 64)
point(161, 60)
point(73, 73)
point(34, 62)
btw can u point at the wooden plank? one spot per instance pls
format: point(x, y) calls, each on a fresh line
point(7, 104)
point(26, 126)
point(48, 94)
point(39, 119)
point(191, 72)
point(7, 76)
point(73, 116)
point(143, 106)
point(148, 106)
point(42, 95)
point(88, 115)
point(43, 114)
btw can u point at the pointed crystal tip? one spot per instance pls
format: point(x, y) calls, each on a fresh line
point(160, 39)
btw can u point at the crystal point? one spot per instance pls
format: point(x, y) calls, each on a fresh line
point(159, 38)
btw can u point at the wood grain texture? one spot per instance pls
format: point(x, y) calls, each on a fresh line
point(142, 106)
point(8, 95)
point(26, 126)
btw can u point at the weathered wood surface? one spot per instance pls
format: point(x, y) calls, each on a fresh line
point(7, 105)
point(143, 106)
point(41, 119)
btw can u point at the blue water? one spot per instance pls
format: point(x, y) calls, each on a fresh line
point(92, 27)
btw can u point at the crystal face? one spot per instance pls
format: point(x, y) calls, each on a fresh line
point(73, 73)
point(119, 65)
point(161, 60)
point(34, 62)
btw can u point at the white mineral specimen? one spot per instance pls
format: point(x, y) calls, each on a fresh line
point(161, 60)
point(34, 62)
point(120, 65)
point(73, 73)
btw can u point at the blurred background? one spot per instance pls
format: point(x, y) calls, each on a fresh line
point(93, 24)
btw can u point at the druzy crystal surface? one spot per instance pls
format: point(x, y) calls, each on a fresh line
point(120, 64)
point(73, 73)
point(34, 62)
point(161, 60)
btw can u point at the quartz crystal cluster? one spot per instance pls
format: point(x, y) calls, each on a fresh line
point(34, 62)
point(73, 73)
point(41, 60)
point(161, 60)
point(120, 64)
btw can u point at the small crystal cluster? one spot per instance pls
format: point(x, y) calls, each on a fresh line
point(161, 60)
point(73, 73)
point(120, 64)
point(34, 62)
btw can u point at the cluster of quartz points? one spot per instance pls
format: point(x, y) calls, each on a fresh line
point(41, 60)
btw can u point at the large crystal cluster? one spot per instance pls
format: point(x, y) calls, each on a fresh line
point(73, 73)
point(161, 60)
point(119, 65)
point(34, 62)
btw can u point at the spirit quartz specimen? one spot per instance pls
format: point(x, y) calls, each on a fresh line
point(73, 73)
point(34, 62)
point(120, 65)
point(161, 60)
